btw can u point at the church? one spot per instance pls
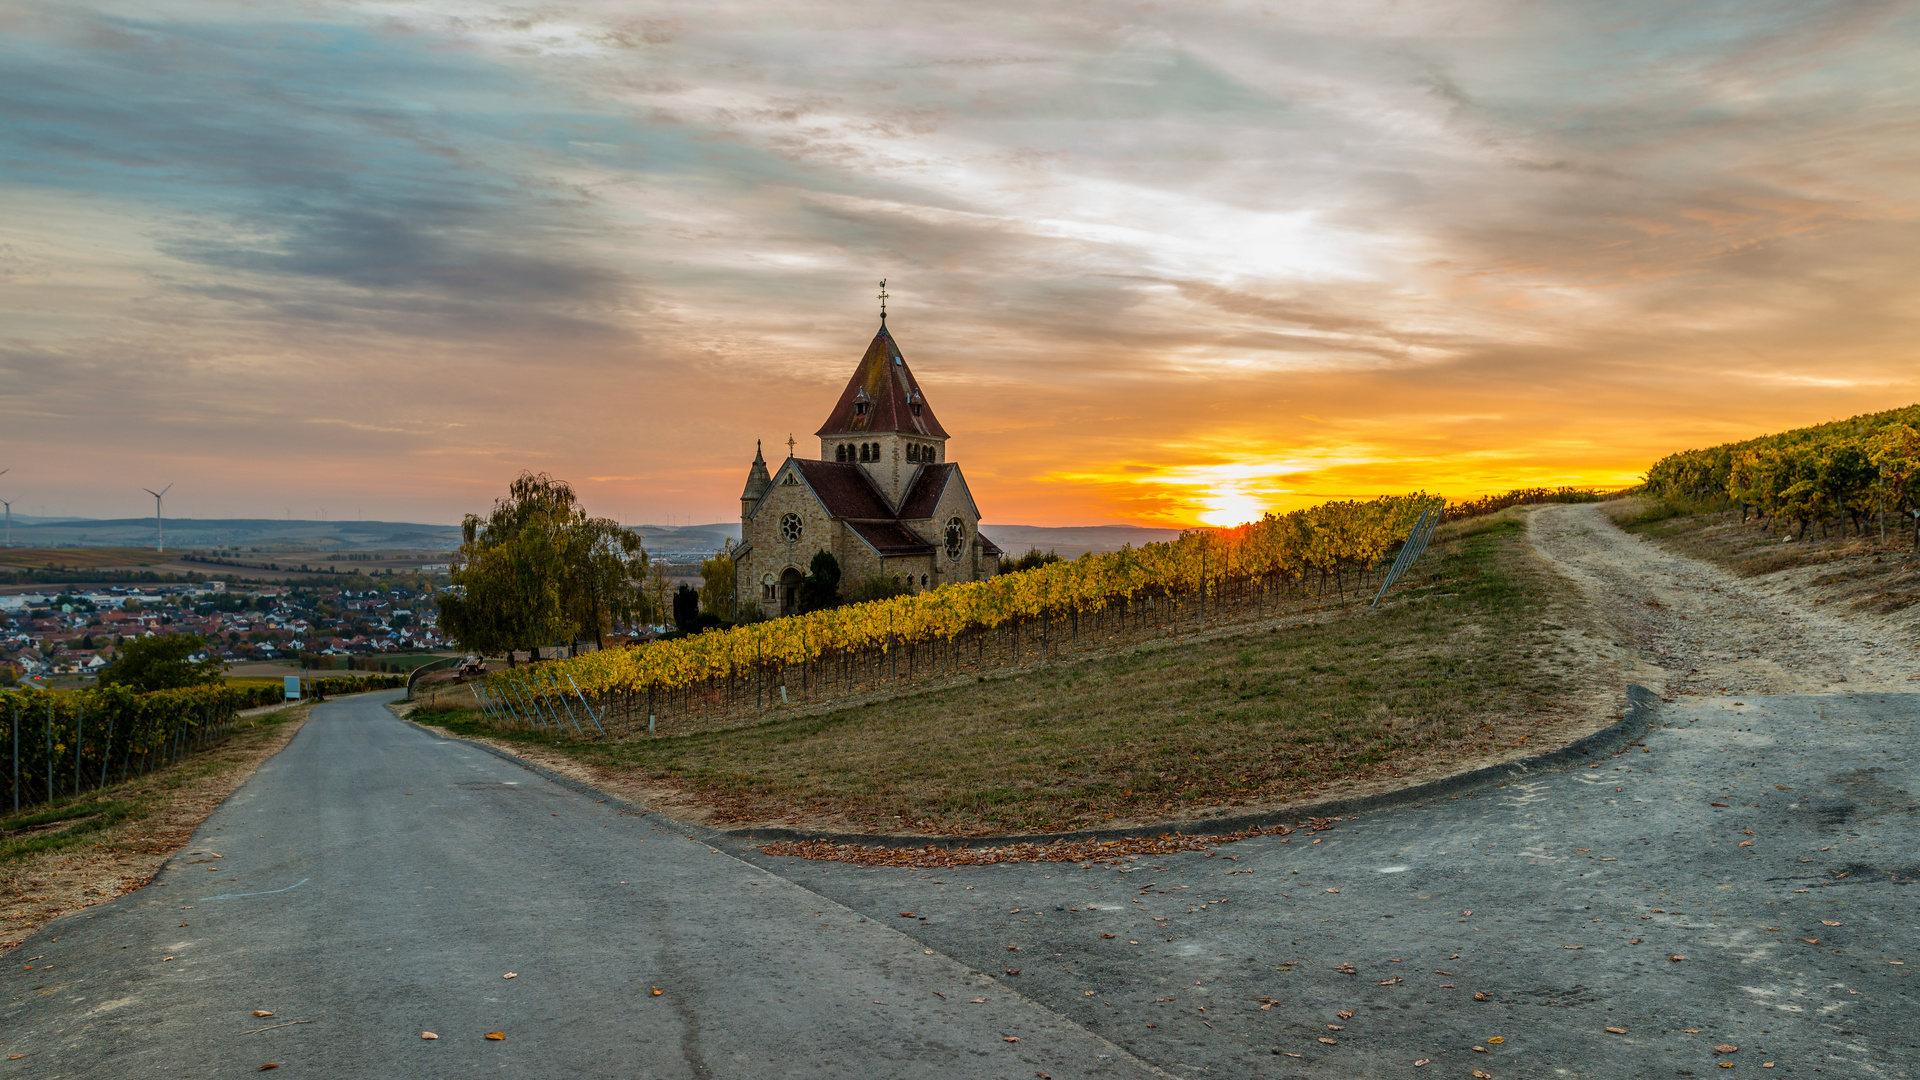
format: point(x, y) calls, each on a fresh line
point(882, 498)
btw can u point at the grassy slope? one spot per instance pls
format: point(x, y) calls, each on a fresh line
point(1456, 668)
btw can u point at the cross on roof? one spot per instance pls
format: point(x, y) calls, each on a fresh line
point(789, 445)
point(883, 301)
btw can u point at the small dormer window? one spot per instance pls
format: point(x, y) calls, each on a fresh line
point(861, 403)
point(913, 399)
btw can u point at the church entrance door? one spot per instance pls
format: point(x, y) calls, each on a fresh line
point(790, 591)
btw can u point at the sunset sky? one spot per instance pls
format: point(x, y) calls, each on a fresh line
point(1156, 263)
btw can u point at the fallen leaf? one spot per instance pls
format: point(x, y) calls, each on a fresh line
point(1421, 1062)
point(164, 959)
point(657, 991)
point(1811, 940)
point(1345, 1014)
point(1105, 936)
point(1395, 981)
point(1478, 996)
point(1691, 1031)
point(511, 975)
point(1010, 1038)
point(497, 1036)
point(1725, 1048)
point(1573, 946)
point(15, 1057)
point(428, 1035)
point(1328, 1041)
point(1766, 1064)
point(908, 915)
point(1013, 948)
point(1012, 971)
point(977, 1001)
point(262, 1012)
point(1043, 1076)
point(1618, 1031)
point(1483, 1049)
point(1344, 969)
point(1335, 1027)
point(1448, 974)
point(1676, 958)
point(1464, 914)
point(1828, 922)
point(1746, 843)
point(1482, 1075)
point(268, 1065)
point(1333, 890)
point(1284, 1053)
point(1497, 1039)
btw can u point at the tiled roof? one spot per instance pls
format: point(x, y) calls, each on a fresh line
point(924, 496)
point(891, 537)
point(988, 547)
point(845, 489)
point(890, 390)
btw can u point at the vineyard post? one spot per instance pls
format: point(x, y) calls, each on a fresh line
point(584, 705)
point(79, 727)
point(49, 749)
point(15, 726)
point(570, 717)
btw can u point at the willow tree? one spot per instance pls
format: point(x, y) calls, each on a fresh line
point(538, 570)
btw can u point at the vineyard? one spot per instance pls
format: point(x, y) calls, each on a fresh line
point(1282, 563)
point(62, 743)
point(1853, 472)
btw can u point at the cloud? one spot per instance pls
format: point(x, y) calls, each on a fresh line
point(407, 248)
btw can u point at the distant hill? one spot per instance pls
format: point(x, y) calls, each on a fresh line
point(270, 533)
point(320, 537)
point(1071, 541)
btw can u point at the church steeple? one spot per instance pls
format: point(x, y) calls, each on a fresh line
point(758, 481)
point(882, 397)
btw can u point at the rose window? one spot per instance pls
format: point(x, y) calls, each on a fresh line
point(790, 527)
point(956, 537)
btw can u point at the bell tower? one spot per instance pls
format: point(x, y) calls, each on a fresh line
point(882, 421)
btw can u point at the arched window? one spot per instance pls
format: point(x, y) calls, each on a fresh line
point(956, 537)
point(840, 452)
point(790, 528)
point(923, 581)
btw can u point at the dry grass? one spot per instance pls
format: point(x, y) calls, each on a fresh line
point(88, 850)
point(1464, 665)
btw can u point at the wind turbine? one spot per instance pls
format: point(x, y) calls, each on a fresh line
point(159, 530)
point(9, 507)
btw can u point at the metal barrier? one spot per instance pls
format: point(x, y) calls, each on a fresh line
point(441, 664)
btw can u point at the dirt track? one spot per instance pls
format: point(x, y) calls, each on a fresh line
point(1701, 630)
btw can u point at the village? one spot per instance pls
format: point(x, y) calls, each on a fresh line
point(66, 638)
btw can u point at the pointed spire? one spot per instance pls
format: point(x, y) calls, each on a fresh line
point(882, 396)
point(758, 479)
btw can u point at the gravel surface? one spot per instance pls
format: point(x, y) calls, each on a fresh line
point(1698, 629)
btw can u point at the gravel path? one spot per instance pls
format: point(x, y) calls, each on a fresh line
point(1699, 629)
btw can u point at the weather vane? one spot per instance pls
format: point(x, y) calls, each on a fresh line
point(883, 301)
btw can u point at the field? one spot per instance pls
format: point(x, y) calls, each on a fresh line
point(89, 558)
point(1483, 655)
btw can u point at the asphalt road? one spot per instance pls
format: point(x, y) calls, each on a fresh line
point(1742, 828)
point(379, 882)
